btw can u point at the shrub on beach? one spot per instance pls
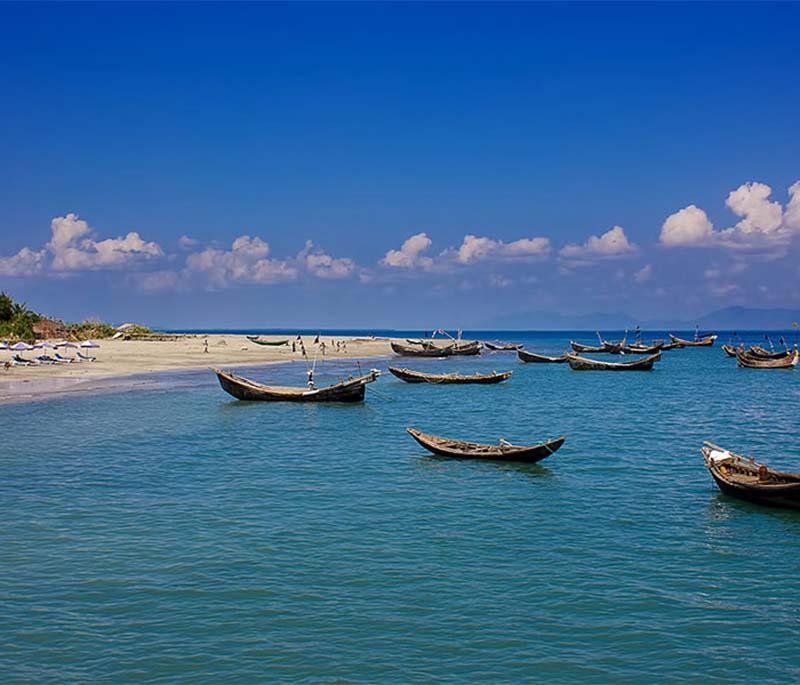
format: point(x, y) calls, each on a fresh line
point(17, 322)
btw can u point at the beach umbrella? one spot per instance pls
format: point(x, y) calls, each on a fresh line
point(67, 343)
point(89, 343)
point(3, 345)
point(20, 346)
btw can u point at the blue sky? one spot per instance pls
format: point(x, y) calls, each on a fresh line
point(499, 138)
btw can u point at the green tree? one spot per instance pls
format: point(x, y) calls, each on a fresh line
point(6, 307)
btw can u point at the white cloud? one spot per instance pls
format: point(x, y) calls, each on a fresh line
point(644, 274)
point(322, 265)
point(474, 249)
point(25, 263)
point(410, 254)
point(71, 249)
point(612, 244)
point(791, 217)
point(751, 202)
point(245, 262)
point(186, 242)
point(72, 254)
point(688, 226)
point(763, 223)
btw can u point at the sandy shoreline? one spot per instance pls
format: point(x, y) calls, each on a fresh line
point(136, 363)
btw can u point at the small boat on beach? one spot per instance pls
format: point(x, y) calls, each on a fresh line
point(424, 350)
point(746, 360)
point(350, 390)
point(272, 343)
point(746, 479)
point(502, 347)
point(577, 363)
point(706, 341)
point(533, 358)
point(410, 376)
point(504, 451)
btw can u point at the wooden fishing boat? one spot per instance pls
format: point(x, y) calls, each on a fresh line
point(577, 363)
point(410, 376)
point(669, 346)
point(747, 361)
point(643, 349)
point(272, 343)
point(501, 347)
point(707, 341)
point(461, 449)
point(730, 350)
point(763, 353)
point(421, 351)
point(533, 358)
point(350, 390)
point(746, 479)
point(467, 349)
point(581, 348)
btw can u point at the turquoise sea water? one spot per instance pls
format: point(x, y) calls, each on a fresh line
point(177, 535)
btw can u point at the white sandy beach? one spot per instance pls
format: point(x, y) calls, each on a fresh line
point(121, 359)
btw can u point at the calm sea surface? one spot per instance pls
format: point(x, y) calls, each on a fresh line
point(177, 535)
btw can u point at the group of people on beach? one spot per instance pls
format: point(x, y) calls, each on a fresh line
point(299, 345)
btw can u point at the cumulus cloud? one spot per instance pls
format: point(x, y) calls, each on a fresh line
point(71, 248)
point(246, 262)
point(612, 244)
point(688, 226)
point(474, 249)
point(25, 263)
point(322, 265)
point(186, 242)
point(763, 223)
point(71, 253)
point(410, 255)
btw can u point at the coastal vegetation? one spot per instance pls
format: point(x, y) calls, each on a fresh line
point(18, 322)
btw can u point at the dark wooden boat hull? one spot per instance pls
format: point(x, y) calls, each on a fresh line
point(466, 349)
point(730, 350)
point(244, 389)
point(410, 376)
point(708, 341)
point(577, 363)
point(406, 351)
point(580, 348)
point(270, 343)
point(533, 358)
point(776, 490)
point(530, 455)
point(787, 497)
point(501, 348)
point(760, 353)
point(746, 361)
point(642, 349)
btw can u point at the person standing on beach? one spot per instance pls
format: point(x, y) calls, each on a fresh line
point(205, 346)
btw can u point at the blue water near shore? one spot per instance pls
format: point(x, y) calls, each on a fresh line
point(177, 535)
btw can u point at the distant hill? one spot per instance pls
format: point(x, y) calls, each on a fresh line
point(747, 318)
point(729, 318)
